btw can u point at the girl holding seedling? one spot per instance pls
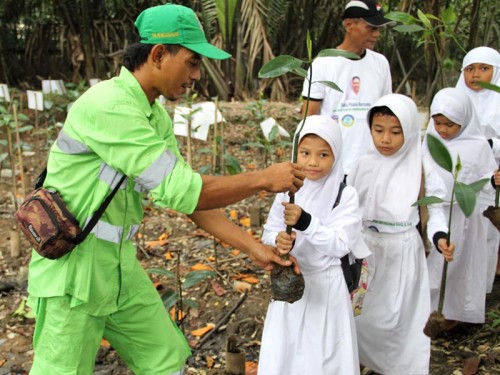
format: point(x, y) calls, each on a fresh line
point(316, 334)
point(388, 179)
point(483, 64)
point(455, 123)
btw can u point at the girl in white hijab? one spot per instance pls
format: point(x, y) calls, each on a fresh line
point(483, 64)
point(388, 179)
point(454, 122)
point(316, 334)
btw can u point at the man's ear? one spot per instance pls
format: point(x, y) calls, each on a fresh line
point(158, 53)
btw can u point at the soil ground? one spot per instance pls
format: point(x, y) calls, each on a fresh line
point(169, 241)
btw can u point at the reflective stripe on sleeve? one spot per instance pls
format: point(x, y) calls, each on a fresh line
point(112, 233)
point(111, 176)
point(156, 172)
point(69, 145)
point(108, 232)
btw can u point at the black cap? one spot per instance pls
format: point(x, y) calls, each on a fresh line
point(369, 10)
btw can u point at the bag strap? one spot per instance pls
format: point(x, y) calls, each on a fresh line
point(97, 214)
point(345, 264)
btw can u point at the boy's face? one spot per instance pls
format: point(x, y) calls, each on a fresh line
point(315, 156)
point(387, 134)
point(477, 72)
point(446, 128)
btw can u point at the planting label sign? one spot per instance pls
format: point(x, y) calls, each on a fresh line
point(4, 93)
point(35, 100)
point(202, 116)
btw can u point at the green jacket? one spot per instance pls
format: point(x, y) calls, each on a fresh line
point(111, 130)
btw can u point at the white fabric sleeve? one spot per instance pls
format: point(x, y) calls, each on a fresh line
point(344, 226)
point(435, 186)
point(275, 222)
point(388, 81)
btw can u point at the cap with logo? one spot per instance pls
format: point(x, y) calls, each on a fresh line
point(176, 24)
point(369, 10)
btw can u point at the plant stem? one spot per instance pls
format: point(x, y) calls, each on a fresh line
point(445, 264)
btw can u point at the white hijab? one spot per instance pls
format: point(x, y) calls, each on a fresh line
point(470, 143)
point(388, 185)
point(486, 102)
point(318, 197)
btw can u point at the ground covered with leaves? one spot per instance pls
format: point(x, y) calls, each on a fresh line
point(223, 293)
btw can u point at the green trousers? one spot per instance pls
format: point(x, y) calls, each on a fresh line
point(66, 340)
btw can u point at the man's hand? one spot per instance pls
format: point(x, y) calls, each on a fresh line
point(283, 177)
point(497, 177)
point(446, 250)
point(267, 255)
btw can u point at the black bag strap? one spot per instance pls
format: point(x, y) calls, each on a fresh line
point(346, 267)
point(97, 214)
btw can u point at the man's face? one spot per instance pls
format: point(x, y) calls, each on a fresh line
point(177, 73)
point(362, 35)
point(355, 85)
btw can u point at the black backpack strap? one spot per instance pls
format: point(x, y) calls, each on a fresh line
point(41, 179)
point(345, 264)
point(98, 213)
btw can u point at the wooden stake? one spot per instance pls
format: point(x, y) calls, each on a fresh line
point(15, 243)
point(19, 152)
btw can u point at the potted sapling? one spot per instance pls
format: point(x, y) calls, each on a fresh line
point(465, 195)
point(286, 285)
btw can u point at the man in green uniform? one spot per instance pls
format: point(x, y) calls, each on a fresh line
point(119, 128)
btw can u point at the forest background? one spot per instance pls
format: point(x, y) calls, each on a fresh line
point(78, 40)
point(75, 40)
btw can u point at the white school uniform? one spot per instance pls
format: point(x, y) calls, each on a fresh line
point(316, 334)
point(466, 282)
point(397, 303)
point(487, 105)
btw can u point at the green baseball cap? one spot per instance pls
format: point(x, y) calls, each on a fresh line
point(176, 24)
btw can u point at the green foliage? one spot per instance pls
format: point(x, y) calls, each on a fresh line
point(465, 194)
point(171, 296)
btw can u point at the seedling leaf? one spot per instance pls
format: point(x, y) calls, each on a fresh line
point(278, 66)
point(334, 52)
point(425, 201)
point(193, 278)
point(466, 198)
point(439, 153)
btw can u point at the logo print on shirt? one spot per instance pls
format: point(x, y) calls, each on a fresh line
point(348, 121)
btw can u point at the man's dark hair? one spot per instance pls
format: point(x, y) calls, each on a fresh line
point(136, 54)
point(382, 110)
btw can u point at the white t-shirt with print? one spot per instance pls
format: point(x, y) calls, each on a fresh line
point(373, 74)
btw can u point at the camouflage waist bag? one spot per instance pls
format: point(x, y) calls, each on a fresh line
point(48, 224)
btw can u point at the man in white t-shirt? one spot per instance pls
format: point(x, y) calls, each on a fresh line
point(370, 76)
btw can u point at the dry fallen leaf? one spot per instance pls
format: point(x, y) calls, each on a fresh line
point(105, 343)
point(168, 255)
point(250, 280)
point(471, 365)
point(245, 221)
point(218, 289)
point(235, 252)
point(251, 368)
point(210, 361)
point(233, 214)
point(201, 267)
point(204, 330)
point(241, 286)
point(153, 244)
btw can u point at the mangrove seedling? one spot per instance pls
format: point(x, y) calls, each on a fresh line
point(465, 196)
point(286, 285)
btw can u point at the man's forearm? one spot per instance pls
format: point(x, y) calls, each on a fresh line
point(221, 191)
point(217, 224)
